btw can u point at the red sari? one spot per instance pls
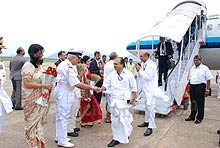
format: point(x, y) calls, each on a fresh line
point(90, 111)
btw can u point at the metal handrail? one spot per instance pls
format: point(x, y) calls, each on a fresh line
point(165, 88)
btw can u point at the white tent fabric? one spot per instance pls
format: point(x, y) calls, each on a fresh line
point(175, 24)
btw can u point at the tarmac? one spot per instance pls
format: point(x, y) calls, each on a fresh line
point(172, 131)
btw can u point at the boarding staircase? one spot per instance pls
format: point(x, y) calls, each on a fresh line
point(176, 82)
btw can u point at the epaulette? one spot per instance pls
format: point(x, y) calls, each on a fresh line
point(70, 66)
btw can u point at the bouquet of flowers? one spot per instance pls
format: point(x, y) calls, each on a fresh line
point(96, 78)
point(81, 67)
point(49, 76)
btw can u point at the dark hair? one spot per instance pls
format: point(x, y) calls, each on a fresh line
point(147, 54)
point(103, 56)
point(60, 53)
point(19, 50)
point(197, 57)
point(113, 55)
point(122, 61)
point(33, 49)
point(96, 52)
point(85, 58)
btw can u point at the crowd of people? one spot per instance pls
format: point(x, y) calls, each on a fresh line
point(82, 81)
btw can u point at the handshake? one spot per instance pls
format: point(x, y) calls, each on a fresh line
point(97, 89)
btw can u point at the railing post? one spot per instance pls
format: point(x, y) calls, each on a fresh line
point(180, 61)
point(138, 47)
point(189, 44)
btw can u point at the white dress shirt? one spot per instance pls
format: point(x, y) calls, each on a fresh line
point(108, 68)
point(119, 85)
point(200, 74)
point(148, 75)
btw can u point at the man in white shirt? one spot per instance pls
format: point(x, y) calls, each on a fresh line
point(108, 68)
point(65, 96)
point(147, 72)
point(122, 86)
point(199, 78)
point(132, 67)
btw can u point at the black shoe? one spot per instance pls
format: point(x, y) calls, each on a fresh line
point(18, 108)
point(113, 143)
point(159, 84)
point(56, 141)
point(76, 130)
point(73, 134)
point(148, 132)
point(218, 131)
point(145, 124)
point(197, 121)
point(86, 126)
point(189, 119)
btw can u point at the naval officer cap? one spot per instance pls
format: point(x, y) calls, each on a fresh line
point(75, 52)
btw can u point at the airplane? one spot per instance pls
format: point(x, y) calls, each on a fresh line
point(174, 26)
point(209, 52)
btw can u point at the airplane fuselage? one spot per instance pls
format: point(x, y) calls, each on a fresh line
point(210, 52)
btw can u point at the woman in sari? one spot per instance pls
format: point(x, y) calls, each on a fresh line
point(90, 111)
point(34, 114)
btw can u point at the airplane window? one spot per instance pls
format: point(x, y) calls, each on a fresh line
point(209, 27)
point(218, 27)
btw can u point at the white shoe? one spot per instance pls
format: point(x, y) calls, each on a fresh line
point(68, 139)
point(218, 97)
point(68, 145)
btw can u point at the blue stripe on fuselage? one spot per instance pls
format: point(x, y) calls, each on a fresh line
point(147, 44)
point(212, 42)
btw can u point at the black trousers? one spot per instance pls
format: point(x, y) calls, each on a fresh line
point(98, 96)
point(197, 97)
point(163, 69)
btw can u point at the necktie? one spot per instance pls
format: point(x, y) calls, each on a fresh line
point(163, 50)
point(144, 65)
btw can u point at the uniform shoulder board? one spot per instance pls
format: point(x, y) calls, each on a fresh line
point(70, 66)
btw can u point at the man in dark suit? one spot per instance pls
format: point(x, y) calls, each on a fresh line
point(163, 53)
point(95, 67)
point(15, 67)
point(61, 56)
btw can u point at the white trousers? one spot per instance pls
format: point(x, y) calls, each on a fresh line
point(62, 117)
point(150, 113)
point(73, 114)
point(218, 87)
point(121, 124)
point(107, 100)
point(2, 116)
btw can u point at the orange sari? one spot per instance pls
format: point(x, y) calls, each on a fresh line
point(34, 114)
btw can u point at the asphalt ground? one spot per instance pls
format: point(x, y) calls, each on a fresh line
point(172, 131)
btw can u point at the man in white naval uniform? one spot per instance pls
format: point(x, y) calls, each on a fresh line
point(64, 95)
point(147, 72)
point(5, 100)
point(108, 68)
point(72, 130)
point(122, 86)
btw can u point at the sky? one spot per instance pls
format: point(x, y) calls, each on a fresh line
point(88, 25)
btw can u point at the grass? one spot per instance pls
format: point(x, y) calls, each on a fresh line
point(45, 59)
